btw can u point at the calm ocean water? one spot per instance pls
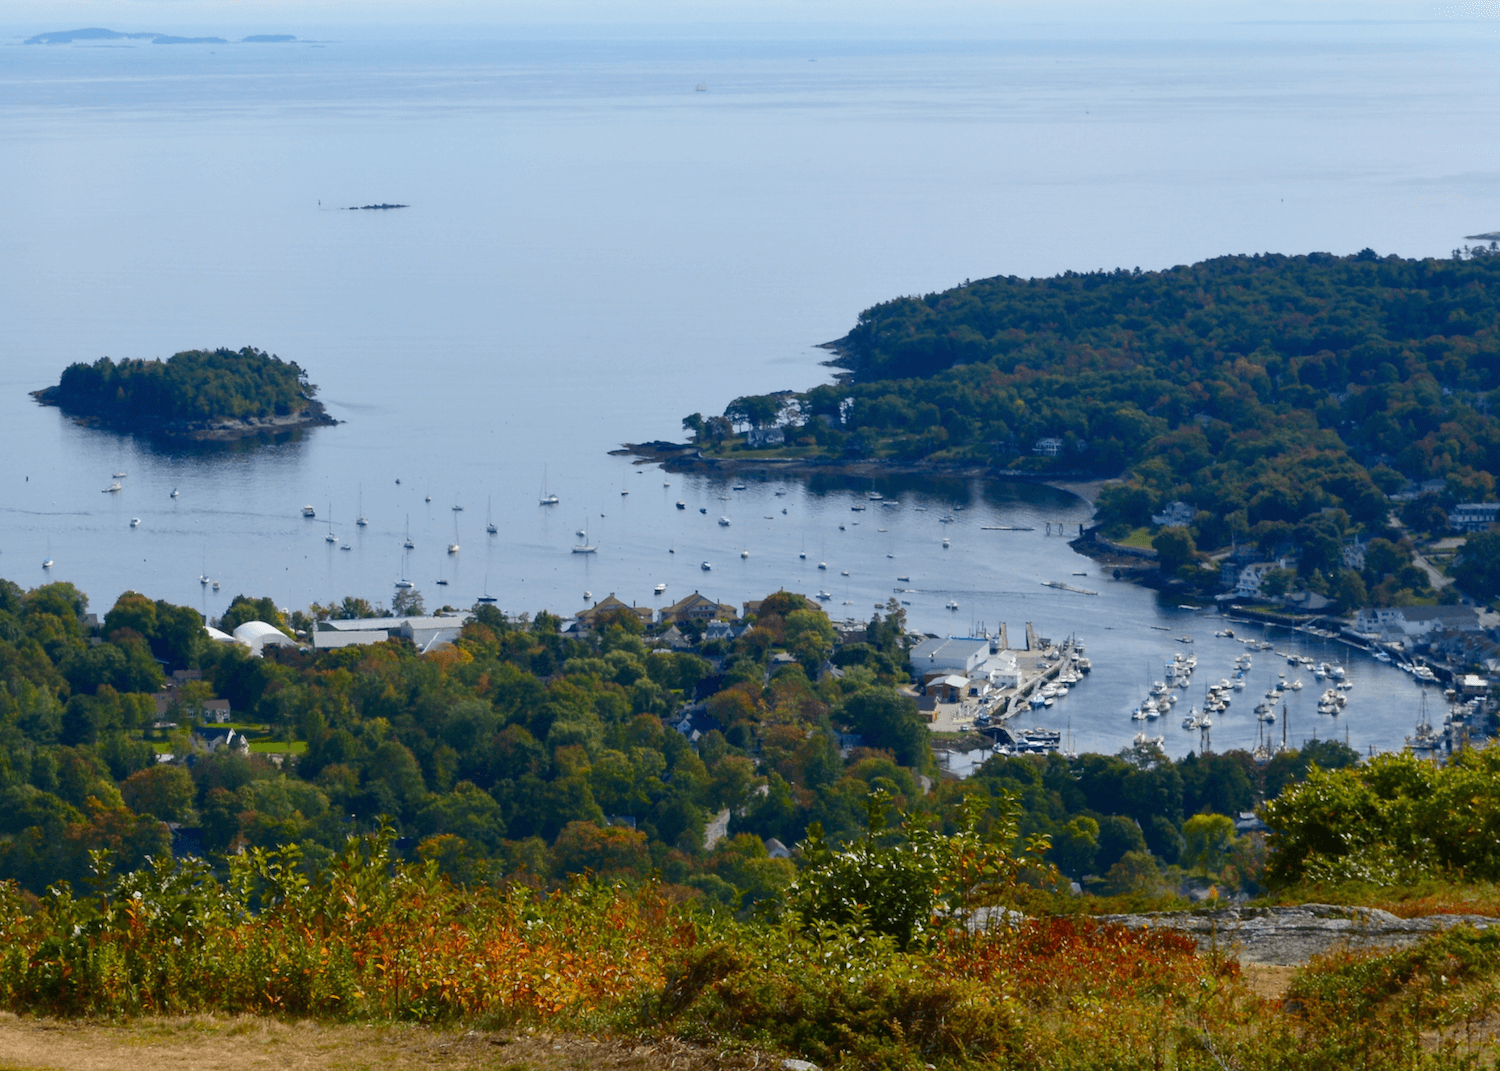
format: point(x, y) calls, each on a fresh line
point(595, 250)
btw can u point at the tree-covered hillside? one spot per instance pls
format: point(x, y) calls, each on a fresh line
point(523, 751)
point(195, 385)
point(1260, 389)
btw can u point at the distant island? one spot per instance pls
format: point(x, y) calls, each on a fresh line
point(198, 395)
point(95, 33)
point(374, 208)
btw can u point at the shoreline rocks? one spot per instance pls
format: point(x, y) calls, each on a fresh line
point(217, 429)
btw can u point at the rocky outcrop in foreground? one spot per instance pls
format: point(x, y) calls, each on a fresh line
point(1291, 935)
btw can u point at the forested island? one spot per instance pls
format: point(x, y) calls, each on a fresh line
point(196, 395)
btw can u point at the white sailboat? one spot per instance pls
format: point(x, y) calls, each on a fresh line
point(489, 522)
point(362, 520)
point(547, 498)
point(585, 547)
point(407, 543)
point(453, 547)
point(330, 537)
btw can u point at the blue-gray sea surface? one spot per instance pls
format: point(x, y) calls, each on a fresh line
point(594, 250)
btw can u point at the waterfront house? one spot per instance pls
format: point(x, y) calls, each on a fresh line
point(1174, 515)
point(697, 607)
point(1047, 447)
point(610, 604)
point(1248, 584)
point(1407, 622)
point(761, 438)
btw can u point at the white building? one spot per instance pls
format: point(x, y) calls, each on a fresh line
point(759, 438)
point(1248, 584)
point(257, 635)
point(1174, 515)
point(1405, 622)
point(1473, 516)
point(956, 654)
point(1048, 447)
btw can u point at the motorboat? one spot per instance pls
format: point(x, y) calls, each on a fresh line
point(405, 585)
point(660, 588)
point(135, 522)
point(737, 487)
point(174, 493)
point(723, 522)
point(681, 504)
point(112, 488)
point(705, 566)
point(1296, 685)
point(946, 544)
point(904, 579)
point(308, 511)
point(746, 554)
point(822, 565)
point(216, 585)
point(824, 596)
point(588, 595)
point(703, 510)
point(953, 604)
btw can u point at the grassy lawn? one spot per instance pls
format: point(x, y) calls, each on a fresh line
point(269, 747)
point(1139, 537)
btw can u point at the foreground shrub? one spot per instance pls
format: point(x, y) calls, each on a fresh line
point(365, 938)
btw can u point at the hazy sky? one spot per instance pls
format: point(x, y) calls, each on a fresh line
point(207, 16)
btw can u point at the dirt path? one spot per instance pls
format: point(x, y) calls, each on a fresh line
point(247, 1043)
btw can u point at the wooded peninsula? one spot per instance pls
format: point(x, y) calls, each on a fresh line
point(200, 395)
point(1284, 400)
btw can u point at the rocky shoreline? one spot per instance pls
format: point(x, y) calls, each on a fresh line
point(687, 458)
point(213, 430)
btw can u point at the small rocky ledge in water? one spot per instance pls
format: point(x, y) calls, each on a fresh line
point(373, 208)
